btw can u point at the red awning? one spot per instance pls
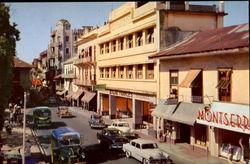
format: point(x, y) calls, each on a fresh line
point(36, 82)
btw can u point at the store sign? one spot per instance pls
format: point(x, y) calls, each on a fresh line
point(228, 116)
point(99, 87)
point(122, 94)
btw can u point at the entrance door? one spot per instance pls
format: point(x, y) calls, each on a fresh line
point(185, 133)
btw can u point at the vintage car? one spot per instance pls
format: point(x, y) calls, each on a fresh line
point(96, 121)
point(66, 146)
point(124, 128)
point(112, 138)
point(145, 151)
point(63, 112)
point(40, 116)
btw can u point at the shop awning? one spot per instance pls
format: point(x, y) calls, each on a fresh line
point(192, 74)
point(164, 110)
point(77, 94)
point(187, 113)
point(70, 94)
point(88, 96)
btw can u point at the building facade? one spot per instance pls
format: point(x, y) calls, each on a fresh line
point(135, 31)
point(202, 99)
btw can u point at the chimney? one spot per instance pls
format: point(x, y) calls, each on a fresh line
point(168, 5)
point(186, 5)
point(221, 7)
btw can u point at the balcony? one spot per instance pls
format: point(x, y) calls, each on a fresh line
point(193, 99)
point(84, 82)
point(85, 60)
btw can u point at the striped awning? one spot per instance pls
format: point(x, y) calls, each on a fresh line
point(77, 94)
point(187, 82)
point(88, 96)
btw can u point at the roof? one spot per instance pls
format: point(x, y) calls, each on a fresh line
point(43, 53)
point(142, 141)
point(42, 107)
point(18, 63)
point(63, 131)
point(211, 40)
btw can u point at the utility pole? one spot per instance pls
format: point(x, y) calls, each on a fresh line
point(24, 127)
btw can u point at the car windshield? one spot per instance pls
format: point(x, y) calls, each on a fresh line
point(149, 146)
point(67, 142)
point(123, 125)
point(115, 133)
point(96, 117)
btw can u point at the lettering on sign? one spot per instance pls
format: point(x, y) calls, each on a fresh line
point(123, 94)
point(223, 118)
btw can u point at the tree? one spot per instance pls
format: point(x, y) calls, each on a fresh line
point(8, 37)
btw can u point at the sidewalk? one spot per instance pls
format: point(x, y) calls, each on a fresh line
point(179, 153)
point(14, 142)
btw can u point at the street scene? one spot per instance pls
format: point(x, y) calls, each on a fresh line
point(155, 83)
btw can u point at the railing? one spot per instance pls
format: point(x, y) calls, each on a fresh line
point(84, 82)
point(193, 99)
point(83, 60)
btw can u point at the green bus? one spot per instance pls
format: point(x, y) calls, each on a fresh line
point(42, 116)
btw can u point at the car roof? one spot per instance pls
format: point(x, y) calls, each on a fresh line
point(62, 131)
point(41, 108)
point(111, 129)
point(120, 122)
point(142, 141)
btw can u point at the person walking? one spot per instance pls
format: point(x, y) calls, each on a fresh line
point(160, 134)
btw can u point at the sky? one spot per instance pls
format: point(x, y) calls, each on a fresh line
point(36, 20)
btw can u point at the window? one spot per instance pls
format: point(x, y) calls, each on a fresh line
point(107, 47)
point(133, 144)
point(101, 72)
point(102, 49)
point(150, 71)
point(121, 40)
point(121, 72)
point(173, 83)
point(130, 41)
point(139, 41)
point(67, 50)
point(130, 72)
point(75, 38)
point(67, 38)
point(113, 72)
point(90, 51)
point(139, 71)
point(150, 35)
point(113, 45)
point(141, 3)
point(137, 146)
point(224, 84)
point(107, 73)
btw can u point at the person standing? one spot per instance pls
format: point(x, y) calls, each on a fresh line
point(230, 153)
point(160, 134)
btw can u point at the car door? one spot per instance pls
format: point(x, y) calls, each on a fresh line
point(137, 153)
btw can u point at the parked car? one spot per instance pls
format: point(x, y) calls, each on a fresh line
point(145, 151)
point(112, 138)
point(96, 121)
point(63, 111)
point(124, 128)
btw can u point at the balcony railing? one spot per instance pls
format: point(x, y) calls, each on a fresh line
point(84, 82)
point(83, 60)
point(193, 99)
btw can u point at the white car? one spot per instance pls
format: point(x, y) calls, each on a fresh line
point(123, 127)
point(145, 151)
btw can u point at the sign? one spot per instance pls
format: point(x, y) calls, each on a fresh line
point(234, 117)
point(122, 94)
point(98, 87)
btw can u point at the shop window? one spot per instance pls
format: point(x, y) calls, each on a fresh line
point(130, 41)
point(114, 46)
point(139, 41)
point(121, 72)
point(139, 71)
point(102, 49)
point(173, 83)
point(150, 71)
point(101, 73)
point(107, 47)
point(113, 72)
point(121, 42)
point(150, 35)
point(107, 73)
point(130, 72)
point(200, 134)
point(224, 84)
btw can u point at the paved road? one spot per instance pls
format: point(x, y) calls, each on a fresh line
point(94, 152)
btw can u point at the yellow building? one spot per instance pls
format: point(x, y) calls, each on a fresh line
point(204, 88)
point(86, 64)
point(135, 31)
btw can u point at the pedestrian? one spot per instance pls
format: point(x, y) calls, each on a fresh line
point(160, 133)
point(230, 153)
point(11, 117)
point(28, 157)
point(14, 113)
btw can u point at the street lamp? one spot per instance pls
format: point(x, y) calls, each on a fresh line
point(24, 127)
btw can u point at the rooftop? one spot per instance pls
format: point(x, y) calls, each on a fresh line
point(18, 63)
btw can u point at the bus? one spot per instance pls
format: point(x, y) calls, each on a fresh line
point(42, 116)
point(66, 146)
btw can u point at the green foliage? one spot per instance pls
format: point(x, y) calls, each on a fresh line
point(8, 37)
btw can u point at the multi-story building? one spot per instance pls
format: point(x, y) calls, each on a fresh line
point(86, 63)
point(135, 31)
point(204, 88)
point(61, 47)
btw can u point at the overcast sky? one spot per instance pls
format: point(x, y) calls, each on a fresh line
point(36, 20)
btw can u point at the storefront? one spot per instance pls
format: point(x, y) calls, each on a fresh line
point(229, 124)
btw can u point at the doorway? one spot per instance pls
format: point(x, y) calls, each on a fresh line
point(185, 132)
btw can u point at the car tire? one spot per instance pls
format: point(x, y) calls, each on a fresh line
point(127, 154)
